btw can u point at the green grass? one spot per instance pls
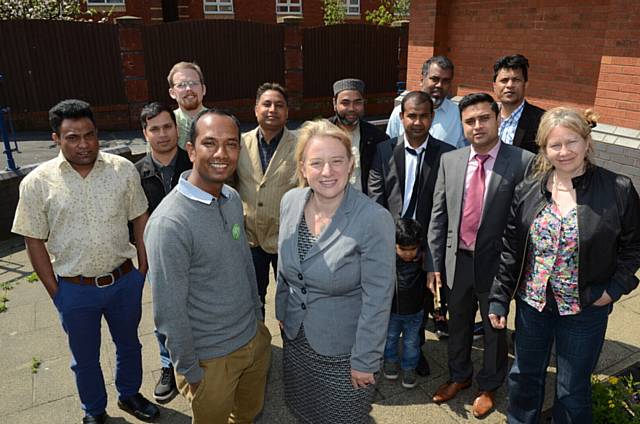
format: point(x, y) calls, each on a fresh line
point(35, 365)
point(32, 278)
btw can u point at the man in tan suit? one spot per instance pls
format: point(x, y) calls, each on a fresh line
point(266, 169)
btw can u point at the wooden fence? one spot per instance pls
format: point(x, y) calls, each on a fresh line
point(119, 67)
point(235, 57)
point(367, 52)
point(44, 62)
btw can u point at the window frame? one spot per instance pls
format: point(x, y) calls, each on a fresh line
point(288, 4)
point(347, 5)
point(105, 3)
point(217, 4)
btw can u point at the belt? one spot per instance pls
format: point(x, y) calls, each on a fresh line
point(466, 252)
point(103, 280)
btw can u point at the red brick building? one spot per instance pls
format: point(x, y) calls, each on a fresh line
point(585, 53)
point(265, 11)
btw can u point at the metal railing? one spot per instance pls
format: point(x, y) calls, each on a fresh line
point(6, 128)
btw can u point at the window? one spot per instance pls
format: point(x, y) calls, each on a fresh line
point(352, 7)
point(105, 3)
point(222, 7)
point(293, 7)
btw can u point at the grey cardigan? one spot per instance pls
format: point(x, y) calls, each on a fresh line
point(342, 290)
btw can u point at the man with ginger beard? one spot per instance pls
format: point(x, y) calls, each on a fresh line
point(348, 104)
point(187, 88)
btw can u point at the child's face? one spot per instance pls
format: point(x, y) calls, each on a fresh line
point(407, 253)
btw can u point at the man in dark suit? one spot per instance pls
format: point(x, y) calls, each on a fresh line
point(519, 118)
point(348, 104)
point(471, 202)
point(404, 171)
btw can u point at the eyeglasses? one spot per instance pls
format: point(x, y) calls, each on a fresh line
point(183, 85)
point(334, 163)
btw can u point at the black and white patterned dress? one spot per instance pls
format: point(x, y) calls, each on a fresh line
point(318, 388)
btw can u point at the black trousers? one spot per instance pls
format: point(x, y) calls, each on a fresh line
point(463, 304)
point(261, 262)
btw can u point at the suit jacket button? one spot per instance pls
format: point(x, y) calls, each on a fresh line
point(303, 306)
point(303, 290)
point(300, 276)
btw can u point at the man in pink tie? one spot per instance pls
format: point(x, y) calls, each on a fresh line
point(471, 202)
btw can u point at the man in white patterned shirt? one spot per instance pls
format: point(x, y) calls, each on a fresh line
point(73, 213)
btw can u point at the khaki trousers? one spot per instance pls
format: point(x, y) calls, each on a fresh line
point(232, 390)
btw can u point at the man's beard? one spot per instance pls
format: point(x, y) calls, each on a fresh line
point(346, 121)
point(190, 104)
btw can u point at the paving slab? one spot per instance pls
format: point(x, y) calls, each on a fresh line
point(30, 328)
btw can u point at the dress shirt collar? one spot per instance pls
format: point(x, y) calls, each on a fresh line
point(192, 192)
point(420, 148)
point(159, 166)
point(62, 161)
point(493, 153)
point(444, 106)
point(275, 139)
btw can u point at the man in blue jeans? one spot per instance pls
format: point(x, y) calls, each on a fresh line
point(406, 309)
point(79, 204)
point(160, 171)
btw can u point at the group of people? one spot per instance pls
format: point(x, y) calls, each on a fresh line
point(457, 207)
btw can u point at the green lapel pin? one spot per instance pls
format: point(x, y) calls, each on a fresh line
point(235, 231)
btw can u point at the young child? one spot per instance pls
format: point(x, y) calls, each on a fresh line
point(407, 308)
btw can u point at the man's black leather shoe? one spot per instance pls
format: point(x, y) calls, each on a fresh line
point(98, 419)
point(139, 407)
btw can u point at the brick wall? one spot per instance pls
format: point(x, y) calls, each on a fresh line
point(618, 149)
point(583, 54)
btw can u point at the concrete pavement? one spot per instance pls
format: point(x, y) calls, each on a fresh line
point(30, 332)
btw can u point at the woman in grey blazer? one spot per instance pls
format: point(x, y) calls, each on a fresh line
point(336, 262)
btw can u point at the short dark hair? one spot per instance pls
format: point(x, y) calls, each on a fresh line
point(193, 131)
point(69, 109)
point(475, 98)
point(442, 61)
point(408, 232)
point(272, 86)
point(419, 97)
point(153, 109)
point(516, 61)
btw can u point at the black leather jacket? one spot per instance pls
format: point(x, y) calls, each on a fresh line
point(608, 237)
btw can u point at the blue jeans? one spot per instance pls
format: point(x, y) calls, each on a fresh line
point(578, 339)
point(81, 309)
point(409, 326)
point(165, 359)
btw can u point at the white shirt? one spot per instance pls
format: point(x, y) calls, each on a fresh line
point(410, 164)
point(356, 180)
point(446, 125)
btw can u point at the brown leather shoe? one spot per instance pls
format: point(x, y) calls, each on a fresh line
point(449, 390)
point(484, 404)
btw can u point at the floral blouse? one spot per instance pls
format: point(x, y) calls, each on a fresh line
point(553, 260)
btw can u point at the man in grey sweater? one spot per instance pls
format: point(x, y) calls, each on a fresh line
point(203, 282)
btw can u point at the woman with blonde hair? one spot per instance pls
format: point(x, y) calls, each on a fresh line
point(336, 262)
point(570, 250)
